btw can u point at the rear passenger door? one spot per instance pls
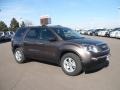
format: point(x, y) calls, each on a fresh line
point(37, 44)
point(32, 46)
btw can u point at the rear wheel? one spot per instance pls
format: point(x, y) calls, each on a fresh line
point(71, 64)
point(19, 55)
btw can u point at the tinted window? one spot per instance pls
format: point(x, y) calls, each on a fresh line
point(20, 32)
point(33, 34)
point(46, 34)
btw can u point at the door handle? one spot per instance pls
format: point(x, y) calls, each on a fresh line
point(29, 42)
point(39, 43)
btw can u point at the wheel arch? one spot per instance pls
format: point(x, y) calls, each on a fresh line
point(15, 47)
point(68, 51)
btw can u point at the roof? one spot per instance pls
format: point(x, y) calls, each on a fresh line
point(51, 26)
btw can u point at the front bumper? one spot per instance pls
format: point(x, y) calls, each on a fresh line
point(96, 63)
point(107, 57)
point(94, 57)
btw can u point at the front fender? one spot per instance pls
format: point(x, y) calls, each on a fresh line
point(84, 55)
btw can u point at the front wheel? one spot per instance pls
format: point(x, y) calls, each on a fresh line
point(19, 55)
point(71, 64)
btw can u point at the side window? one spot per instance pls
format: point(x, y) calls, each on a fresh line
point(33, 34)
point(46, 34)
point(20, 32)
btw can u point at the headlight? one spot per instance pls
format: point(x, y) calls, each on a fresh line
point(91, 48)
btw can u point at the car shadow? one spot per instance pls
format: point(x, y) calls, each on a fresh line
point(4, 41)
point(88, 70)
point(97, 67)
point(43, 61)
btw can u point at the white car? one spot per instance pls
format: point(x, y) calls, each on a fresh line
point(117, 34)
point(9, 34)
point(2, 36)
point(83, 32)
point(88, 32)
point(113, 33)
point(102, 33)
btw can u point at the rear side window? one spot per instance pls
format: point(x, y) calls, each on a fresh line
point(46, 34)
point(33, 34)
point(20, 32)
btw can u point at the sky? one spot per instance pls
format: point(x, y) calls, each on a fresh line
point(84, 14)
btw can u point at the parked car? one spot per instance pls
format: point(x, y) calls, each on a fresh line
point(102, 32)
point(59, 45)
point(9, 35)
point(91, 32)
point(83, 32)
point(108, 33)
point(118, 34)
point(2, 36)
point(97, 31)
point(113, 33)
point(88, 32)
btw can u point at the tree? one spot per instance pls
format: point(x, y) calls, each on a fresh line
point(14, 24)
point(22, 24)
point(3, 26)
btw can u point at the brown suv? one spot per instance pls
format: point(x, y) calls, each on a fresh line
point(60, 45)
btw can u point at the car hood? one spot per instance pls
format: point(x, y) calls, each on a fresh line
point(87, 41)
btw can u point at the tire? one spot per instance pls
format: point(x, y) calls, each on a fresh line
point(19, 55)
point(76, 67)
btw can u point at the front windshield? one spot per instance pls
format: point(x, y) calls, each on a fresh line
point(67, 34)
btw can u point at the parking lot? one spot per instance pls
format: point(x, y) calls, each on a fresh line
point(36, 75)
